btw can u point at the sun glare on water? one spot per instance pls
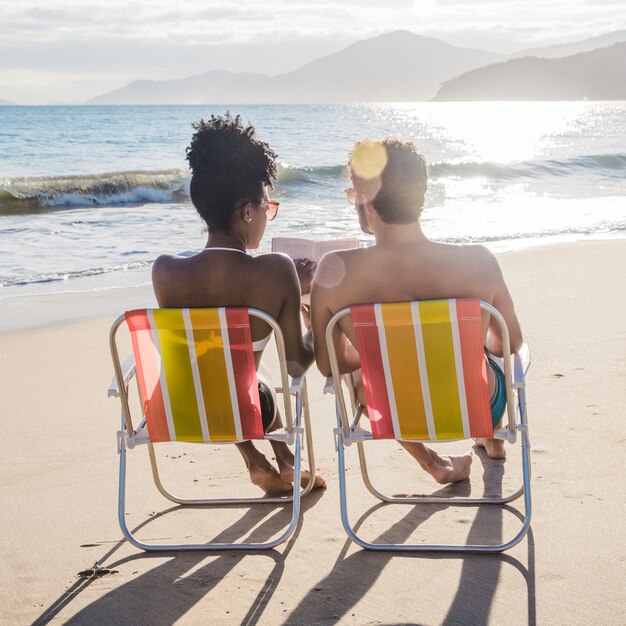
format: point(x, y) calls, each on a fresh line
point(499, 132)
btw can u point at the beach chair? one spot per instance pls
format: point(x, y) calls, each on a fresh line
point(197, 383)
point(424, 374)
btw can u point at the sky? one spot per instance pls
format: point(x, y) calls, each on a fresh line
point(63, 51)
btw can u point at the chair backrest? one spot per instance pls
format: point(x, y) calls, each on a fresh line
point(196, 374)
point(424, 369)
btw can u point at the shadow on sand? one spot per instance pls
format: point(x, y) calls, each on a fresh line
point(134, 601)
point(480, 572)
point(182, 581)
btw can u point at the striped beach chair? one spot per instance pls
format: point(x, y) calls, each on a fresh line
point(197, 383)
point(424, 375)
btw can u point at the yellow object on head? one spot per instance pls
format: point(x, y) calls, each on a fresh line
point(369, 159)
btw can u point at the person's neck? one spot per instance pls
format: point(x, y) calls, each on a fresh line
point(388, 235)
point(224, 240)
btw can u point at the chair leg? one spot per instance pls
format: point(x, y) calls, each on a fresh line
point(304, 410)
point(288, 531)
point(476, 548)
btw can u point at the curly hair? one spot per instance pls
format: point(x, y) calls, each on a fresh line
point(229, 166)
point(392, 175)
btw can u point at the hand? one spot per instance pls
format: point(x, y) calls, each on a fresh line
point(306, 270)
point(305, 310)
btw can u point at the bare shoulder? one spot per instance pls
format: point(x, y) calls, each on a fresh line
point(275, 263)
point(341, 258)
point(163, 265)
point(332, 267)
point(480, 257)
point(164, 260)
point(164, 278)
point(277, 271)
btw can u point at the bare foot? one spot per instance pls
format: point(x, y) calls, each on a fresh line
point(449, 469)
point(270, 481)
point(493, 447)
point(285, 461)
point(444, 469)
point(286, 473)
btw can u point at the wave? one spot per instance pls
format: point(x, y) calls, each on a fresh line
point(53, 277)
point(288, 174)
point(35, 194)
point(604, 165)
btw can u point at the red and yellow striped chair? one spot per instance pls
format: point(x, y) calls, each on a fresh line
point(424, 376)
point(197, 383)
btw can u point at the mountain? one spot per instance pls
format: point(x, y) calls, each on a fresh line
point(393, 67)
point(6, 103)
point(568, 49)
point(596, 75)
point(398, 66)
point(207, 87)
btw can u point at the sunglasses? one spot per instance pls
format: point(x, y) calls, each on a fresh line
point(350, 195)
point(271, 208)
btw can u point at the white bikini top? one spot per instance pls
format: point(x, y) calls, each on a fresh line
point(257, 346)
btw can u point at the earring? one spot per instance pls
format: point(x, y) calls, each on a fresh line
point(249, 219)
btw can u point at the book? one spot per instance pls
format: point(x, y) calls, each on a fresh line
point(296, 248)
point(307, 248)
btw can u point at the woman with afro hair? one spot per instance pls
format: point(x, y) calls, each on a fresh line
point(232, 172)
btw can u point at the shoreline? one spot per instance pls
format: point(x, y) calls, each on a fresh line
point(24, 311)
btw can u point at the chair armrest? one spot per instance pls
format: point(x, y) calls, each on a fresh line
point(296, 385)
point(521, 363)
point(128, 371)
point(329, 386)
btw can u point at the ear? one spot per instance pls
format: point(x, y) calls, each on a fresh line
point(245, 212)
point(370, 212)
point(369, 216)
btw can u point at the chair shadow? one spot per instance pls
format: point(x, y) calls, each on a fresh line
point(333, 598)
point(133, 602)
point(480, 573)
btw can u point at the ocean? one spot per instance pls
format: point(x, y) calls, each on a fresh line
point(89, 196)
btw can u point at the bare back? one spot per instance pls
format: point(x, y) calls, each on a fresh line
point(230, 278)
point(405, 271)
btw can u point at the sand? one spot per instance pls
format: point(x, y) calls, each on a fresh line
point(59, 491)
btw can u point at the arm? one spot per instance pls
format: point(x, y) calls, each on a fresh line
point(160, 279)
point(305, 269)
point(322, 310)
point(299, 349)
point(504, 303)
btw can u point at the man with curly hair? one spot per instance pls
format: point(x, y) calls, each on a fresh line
point(389, 182)
point(232, 172)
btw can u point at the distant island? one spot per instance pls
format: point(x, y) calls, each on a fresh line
point(560, 50)
point(596, 75)
point(6, 103)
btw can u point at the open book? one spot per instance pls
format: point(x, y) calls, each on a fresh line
point(309, 249)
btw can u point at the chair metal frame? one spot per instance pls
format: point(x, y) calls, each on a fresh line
point(350, 431)
point(128, 437)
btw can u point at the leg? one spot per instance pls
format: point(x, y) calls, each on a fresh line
point(444, 469)
point(495, 377)
point(262, 474)
point(285, 461)
point(493, 447)
point(271, 422)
